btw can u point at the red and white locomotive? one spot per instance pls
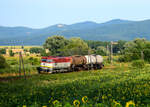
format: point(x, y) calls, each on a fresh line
point(72, 63)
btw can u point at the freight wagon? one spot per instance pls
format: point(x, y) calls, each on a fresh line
point(72, 63)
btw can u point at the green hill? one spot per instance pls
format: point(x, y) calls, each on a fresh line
point(110, 31)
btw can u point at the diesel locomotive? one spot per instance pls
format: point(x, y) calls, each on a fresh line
point(53, 64)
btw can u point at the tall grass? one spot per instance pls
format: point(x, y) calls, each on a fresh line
point(13, 68)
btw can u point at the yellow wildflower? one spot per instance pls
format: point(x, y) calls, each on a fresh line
point(50, 100)
point(103, 97)
point(76, 103)
point(130, 103)
point(85, 99)
point(116, 104)
point(55, 102)
point(24, 106)
point(109, 95)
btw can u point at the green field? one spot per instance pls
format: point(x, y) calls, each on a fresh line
point(19, 47)
point(112, 86)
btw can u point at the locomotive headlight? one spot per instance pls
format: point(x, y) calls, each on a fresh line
point(42, 64)
point(49, 65)
point(46, 65)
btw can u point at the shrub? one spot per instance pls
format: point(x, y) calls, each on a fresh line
point(11, 53)
point(138, 64)
point(36, 50)
point(3, 63)
point(12, 62)
point(124, 58)
point(43, 53)
point(27, 55)
point(25, 50)
point(121, 59)
point(34, 61)
point(3, 51)
point(147, 55)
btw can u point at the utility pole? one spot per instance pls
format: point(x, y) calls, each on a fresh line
point(21, 63)
point(111, 52)
point(142, 55)
point(88, 60)
point(107, 52)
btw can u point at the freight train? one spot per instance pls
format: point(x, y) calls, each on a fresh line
point(53, 64)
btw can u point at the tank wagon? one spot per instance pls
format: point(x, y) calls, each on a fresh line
point(72, 63)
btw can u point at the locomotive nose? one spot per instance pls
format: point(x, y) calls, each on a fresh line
point(42, 64)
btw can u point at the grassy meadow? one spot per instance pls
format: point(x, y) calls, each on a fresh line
point(117, 85)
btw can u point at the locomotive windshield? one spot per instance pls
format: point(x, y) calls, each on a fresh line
point(43, 60)
point(49, 60)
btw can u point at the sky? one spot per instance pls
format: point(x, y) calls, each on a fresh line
point(44, 13)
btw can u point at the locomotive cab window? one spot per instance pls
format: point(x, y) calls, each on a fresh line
point(43, 60)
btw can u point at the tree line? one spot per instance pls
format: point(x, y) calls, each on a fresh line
point(61, 46)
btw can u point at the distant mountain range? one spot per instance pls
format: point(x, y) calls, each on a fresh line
point(109, 31)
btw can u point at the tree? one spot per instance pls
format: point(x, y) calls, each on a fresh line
point(22, 47)
point(36, 50)
point(44, 53)
point(3, 51)
point(3, 63)
point(116, 47)
point(94, 44)
point(133, 50)
point(25, 50)
point(101, 50)
point(54, 44)
point(11, 53)
point(119, 46)
point(76, 46)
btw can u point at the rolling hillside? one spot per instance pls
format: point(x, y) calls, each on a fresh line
point(112, 30)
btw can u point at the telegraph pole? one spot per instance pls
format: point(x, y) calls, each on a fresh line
point(111, 52)
point(107, 50)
